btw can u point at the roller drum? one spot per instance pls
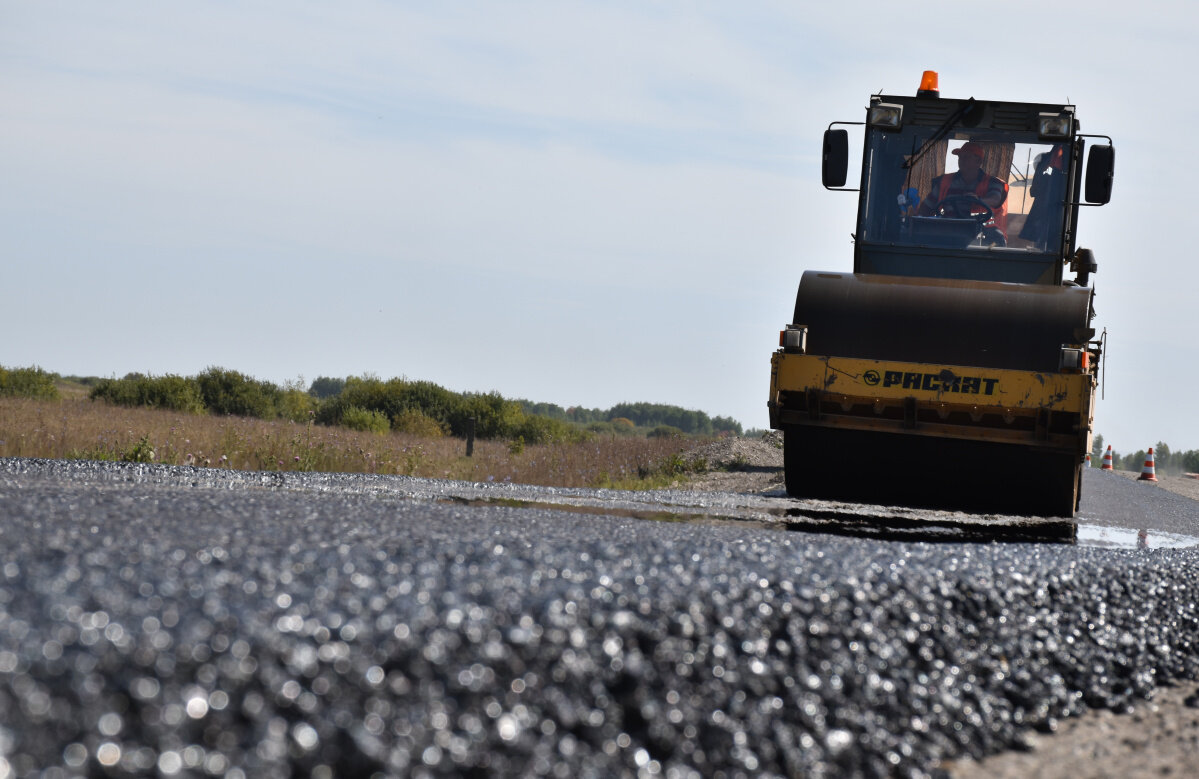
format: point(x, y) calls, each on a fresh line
point(941, 321)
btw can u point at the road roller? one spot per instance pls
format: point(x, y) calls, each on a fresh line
point(957, 366)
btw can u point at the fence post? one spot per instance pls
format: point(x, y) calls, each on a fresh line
point(470, 437)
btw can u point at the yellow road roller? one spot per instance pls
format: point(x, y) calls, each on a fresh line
point(957, 365)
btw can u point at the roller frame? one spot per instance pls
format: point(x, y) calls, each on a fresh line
point(1050, 411)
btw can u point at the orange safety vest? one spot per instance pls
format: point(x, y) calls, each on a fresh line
point(999, 215)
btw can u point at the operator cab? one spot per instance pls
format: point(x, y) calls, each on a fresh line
point(968, 189)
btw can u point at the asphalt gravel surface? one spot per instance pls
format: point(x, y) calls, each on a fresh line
point(182, 622)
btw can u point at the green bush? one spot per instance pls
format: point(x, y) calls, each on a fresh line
point(230, 393)
point(494, 416)
point(325, 387)
point(366, 420)
point(543, 430)
point(216, 390)
point(418, 423)
point(168, 392)
point(392, 398)
point(28, 383)
point(296, 405)
point(665, 431)
point(367, 393)
point(140, 452)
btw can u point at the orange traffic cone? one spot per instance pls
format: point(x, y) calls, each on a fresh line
point(1107, 459)
point(1147, 473)
point(1088, 459)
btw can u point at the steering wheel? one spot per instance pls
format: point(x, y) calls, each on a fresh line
point(965, 207)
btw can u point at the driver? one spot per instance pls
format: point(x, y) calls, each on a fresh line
point(970, 180)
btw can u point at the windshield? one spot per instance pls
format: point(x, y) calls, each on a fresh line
point(979, 190)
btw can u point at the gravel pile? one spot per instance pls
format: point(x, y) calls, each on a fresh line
point(741, 464)
point(741, 453)
point(157, 621)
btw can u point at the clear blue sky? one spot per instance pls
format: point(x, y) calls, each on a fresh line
point(579, 203)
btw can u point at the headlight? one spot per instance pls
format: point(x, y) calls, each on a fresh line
point(1075, 360)
point(794, 339)
point(1055, 125)
point(886, 116)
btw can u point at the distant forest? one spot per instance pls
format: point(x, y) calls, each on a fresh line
point(640, 414)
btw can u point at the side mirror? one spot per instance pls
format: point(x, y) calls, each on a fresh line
point(834, 162)
point(1101, 165)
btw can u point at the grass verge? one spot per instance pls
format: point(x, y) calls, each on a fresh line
point(77, 428)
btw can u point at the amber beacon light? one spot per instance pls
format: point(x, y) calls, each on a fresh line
point(928, 85)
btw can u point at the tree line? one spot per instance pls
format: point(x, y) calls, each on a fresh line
point(370, 403)
point(1165, 460)
point(648, 415)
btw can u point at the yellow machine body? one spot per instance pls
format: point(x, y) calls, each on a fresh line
point(1052, 411)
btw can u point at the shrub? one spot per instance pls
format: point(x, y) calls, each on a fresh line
point(296, 404)
point(140, 452)
point(419, 424)
point(393, 398)
point(370, 421)
point(325, 387)
point(494, 416)
point(433, 400)
point(166, 392)
point(664, 431)
point(543, 430)
point(28, 383)
point(230, 393)
point(361, 392)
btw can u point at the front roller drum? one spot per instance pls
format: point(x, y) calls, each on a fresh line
point(894, 469)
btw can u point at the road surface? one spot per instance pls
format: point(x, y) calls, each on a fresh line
point(175, 621)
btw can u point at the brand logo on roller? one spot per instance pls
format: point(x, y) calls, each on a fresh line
point(945, 381)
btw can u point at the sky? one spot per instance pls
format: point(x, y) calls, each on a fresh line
point(581, 203)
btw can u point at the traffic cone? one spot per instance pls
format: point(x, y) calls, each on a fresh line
point(1147, 473)
point(1088, 459)
point(1107, 459)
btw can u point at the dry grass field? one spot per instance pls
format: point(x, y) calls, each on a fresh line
point(78, 428)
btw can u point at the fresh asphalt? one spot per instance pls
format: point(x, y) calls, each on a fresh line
point(174, 621)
